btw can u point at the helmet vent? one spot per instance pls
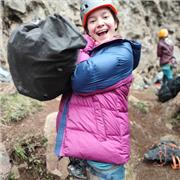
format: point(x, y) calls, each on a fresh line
point(83, 7)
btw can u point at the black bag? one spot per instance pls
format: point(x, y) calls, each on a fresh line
point(169, 89)
point(164, 93)
point(42, 56)
point(174, 86)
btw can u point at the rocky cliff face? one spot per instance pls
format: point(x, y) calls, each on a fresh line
point(140, 20)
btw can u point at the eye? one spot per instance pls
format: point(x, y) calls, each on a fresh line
point(105, 17)
point(91, 21)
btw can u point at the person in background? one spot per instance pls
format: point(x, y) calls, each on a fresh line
point(93, 123)
point(165, 53)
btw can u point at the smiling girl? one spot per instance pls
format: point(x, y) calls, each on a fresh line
point(92, 122)
point(101, 25)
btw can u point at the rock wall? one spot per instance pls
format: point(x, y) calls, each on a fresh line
point(140, 20)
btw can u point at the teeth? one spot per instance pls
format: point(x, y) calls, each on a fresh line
point(101, 33)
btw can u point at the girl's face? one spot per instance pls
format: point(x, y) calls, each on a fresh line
point(101, 25)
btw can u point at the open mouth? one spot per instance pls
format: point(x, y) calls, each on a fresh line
point(101, 33)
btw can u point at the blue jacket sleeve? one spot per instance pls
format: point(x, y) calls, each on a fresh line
point(107, 67)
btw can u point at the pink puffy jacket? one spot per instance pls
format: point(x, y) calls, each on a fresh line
point(94, 125)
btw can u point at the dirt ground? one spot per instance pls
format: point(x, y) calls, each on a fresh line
point(146, 129)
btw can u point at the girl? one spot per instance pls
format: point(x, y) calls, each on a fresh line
point(92, 122)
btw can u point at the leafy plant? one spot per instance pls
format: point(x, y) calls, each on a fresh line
point(12, 176)
point(31, 150)
point(20, 152)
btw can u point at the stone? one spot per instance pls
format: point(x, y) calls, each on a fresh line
point(5, 166)
point(54, 166)
point(17, 5)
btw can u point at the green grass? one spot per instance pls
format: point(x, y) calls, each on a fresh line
point(177, 116)
point(175, 119)
point(142, 107)
point(15, 107)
